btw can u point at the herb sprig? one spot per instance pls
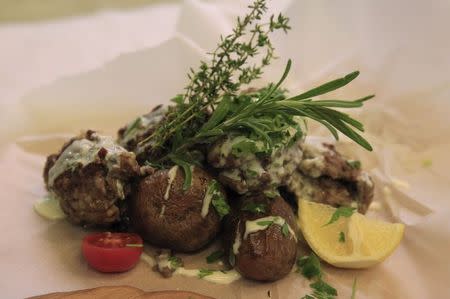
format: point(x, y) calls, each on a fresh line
point(212, 81)
point(214, 106)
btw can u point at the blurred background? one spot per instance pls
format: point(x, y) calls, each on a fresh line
point(17, 11)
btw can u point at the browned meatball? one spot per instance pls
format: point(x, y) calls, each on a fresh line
point(261, 237)
point(168, 216)
point(90, 177)
point(49, 164)
point(141, 128)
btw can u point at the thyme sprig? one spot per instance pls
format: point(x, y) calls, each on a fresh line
point(228, 70)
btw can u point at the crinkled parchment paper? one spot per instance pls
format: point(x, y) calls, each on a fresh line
point(402, 51)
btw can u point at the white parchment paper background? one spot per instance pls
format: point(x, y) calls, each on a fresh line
point(401, 48)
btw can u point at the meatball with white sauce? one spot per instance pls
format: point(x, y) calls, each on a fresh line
point(91, 177)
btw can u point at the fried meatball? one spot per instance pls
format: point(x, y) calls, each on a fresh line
point(90, 177)
point(261, 237)
point(167, 216)
point(315, 170)
point(142, 127)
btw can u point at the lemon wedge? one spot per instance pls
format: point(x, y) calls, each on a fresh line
point(350, 242)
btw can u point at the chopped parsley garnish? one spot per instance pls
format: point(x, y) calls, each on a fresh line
point(271, 193)
point(175, 262)
point(254, 207)
point(245, 147)
point(215, 256)
point(341, 237)
point(309, 266)
point(204, 272)
point(265, 223)
point(218, 200)
point(341, 212)
point(355, 164)
point(285, 229)
point(323, 290)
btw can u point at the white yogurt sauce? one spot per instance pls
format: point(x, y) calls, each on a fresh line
point(219, 277)
point(83, 152)
point(172, 174)
point(252, 226)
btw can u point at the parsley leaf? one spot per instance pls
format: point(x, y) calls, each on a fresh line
point(322, 287)
point(218, 200)
point(341, 212)
point(204, 272)
point(221, 206)
point(175, 262)
point(265, 223)
point(245, 147)
point(309, 266)
point(285, 229)
point(254, 207)
point(341, 237)
point(355, 164)
point(272, 193)
point(215, 256)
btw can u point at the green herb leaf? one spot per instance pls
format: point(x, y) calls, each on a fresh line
point(285, 230)
point(175, 262)
point(186, 166)
point(355, 164)
point(264, 223)
point(327, 87)
point(353, 289)
point(341, 237)
point(215, 107)
point(254, 207)
point(204, 272)
point(245, 147)
point(309, 266)
point(133, 126)
point(215, 256)
point(219, 114)
point(221, 206)
point(323, 288)
point(218, 199)
point(341, 212)
point(271, 193)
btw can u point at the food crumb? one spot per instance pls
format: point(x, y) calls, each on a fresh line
point(427, 163)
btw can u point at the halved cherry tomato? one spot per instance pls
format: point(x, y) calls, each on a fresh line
point(112, 252)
